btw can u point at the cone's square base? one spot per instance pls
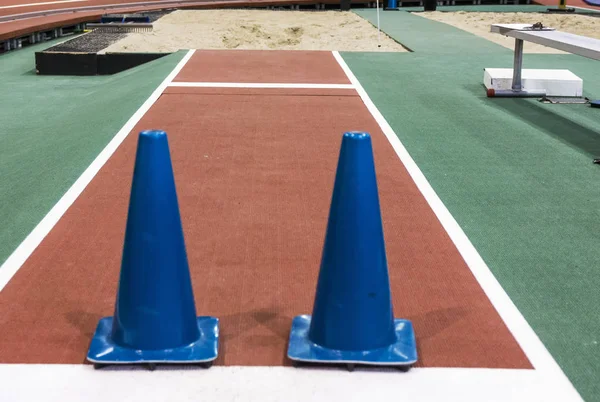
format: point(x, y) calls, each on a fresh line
point(401, 353)
point(103, 350)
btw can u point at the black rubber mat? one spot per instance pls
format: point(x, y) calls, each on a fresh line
point(91, 42)
point(97, 40)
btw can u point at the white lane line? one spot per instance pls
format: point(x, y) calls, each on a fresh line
point(533, 347)
point(32, 241)
point(70, 383)
point(258, 85)
point(41, 4)
point(584, 8)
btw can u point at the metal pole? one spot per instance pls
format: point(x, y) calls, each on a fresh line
point(518, 65)
point(378, 30)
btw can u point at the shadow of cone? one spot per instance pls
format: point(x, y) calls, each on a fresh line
point(352, 319)
point(155, 315)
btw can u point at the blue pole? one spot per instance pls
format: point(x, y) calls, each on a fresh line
point(392, 5)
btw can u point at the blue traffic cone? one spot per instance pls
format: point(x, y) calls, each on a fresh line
point(155, 315)
point(353, 320)
point(392, 5)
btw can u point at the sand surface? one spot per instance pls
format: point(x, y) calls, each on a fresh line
point(258, 29)
point(479, 24)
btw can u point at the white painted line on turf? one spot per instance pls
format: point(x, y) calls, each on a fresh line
point(41, 4)
point(585, 8)
point(533, 347)
point(258, 85)
point(33, 240)
point(70, 383)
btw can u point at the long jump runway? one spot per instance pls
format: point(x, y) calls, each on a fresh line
point(254, 139)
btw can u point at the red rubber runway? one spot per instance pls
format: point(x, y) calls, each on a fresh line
point(254, 170)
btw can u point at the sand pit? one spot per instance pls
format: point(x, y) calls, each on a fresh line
point(258, 29)
point(479, 24)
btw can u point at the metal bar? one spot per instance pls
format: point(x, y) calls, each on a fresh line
point(517, 81)
point(517, 65)
point(509, 93)
point(576, 44)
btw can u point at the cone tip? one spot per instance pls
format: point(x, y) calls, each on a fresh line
point(356, 135)
point(153, 134)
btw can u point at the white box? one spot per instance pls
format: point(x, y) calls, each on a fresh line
point(554, 82)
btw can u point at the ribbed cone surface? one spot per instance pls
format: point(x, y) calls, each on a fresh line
point(353, 309)
point(155, 302)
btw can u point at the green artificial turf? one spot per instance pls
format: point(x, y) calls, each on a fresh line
point(53, 127)
point(421, 34)
point(515, 173)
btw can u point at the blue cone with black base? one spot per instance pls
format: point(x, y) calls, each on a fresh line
point(352, 320)
point(155, 316)
point(392, 5)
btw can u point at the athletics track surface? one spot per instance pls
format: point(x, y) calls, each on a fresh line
point(265, 320)
point(254, 168)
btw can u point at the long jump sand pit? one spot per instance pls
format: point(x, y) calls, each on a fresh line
point(258, 29)
point(479, 24)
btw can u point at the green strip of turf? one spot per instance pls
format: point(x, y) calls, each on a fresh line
point(518, 177)
point(52, 128)
point(421, 34)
